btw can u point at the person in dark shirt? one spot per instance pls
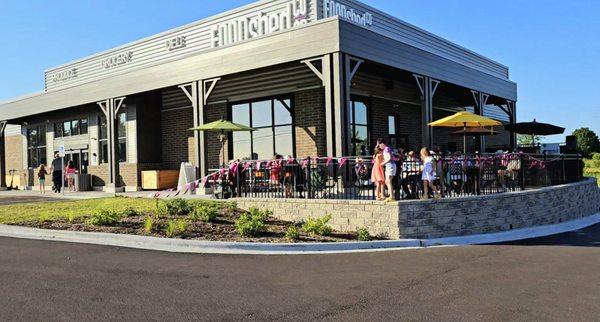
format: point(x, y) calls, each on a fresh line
point(57, 181)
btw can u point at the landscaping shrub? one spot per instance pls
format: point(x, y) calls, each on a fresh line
point(104, 218)
point(318, 226)
point(362, 234)
point(249, 225)
point(292, 233)
point(178, 207)
point(129, 212)
point(175, 227)
point(148, 224)
point(264, 215)
point(205, 213)
point(592, 167)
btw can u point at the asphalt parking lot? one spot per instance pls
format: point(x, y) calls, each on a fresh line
point(551, 278)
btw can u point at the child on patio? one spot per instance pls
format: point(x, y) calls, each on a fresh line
point(377, 174)
point(428, 175)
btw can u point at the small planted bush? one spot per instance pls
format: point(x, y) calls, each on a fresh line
point(205, 213)
point(362, 234)
point(318, 226)
point(178, 207)
point(148, 224)
point(292, 233)
point(249, 225)
point(104, 218)
point(175, 227)
point(264, 215)
point(129, 212)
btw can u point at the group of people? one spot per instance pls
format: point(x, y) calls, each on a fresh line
point(385, 168)
point(58, 175)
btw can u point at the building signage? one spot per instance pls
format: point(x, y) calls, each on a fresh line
point(117, 60)
point(176, 43)
point(64, 75)
point(259, 24)
point(333, 8)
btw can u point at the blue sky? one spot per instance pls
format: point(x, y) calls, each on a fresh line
point(551, 46)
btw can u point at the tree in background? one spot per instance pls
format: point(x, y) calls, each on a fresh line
point(587, 141)
point(528, 140)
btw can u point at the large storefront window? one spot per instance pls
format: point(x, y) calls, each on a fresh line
point(71, 127)
point(272, 121)
point(359, 128)
point(103, 140)
point(36, 146)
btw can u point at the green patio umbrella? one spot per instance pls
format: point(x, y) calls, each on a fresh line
point(222, 126)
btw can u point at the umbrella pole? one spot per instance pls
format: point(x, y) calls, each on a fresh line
point(465, 138)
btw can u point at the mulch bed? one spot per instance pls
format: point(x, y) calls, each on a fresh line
point(222, 229)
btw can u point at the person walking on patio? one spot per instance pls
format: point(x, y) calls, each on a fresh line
point(377, 174)
point(389, 163)
point(428, 175)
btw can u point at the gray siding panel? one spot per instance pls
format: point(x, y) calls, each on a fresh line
point(402, 31)
point(369, 45)
point(297, 44)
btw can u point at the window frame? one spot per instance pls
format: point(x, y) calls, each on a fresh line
point(104, 141)
point(272, 99)
point(38, 148)
point(352, 122)
point(59, 126)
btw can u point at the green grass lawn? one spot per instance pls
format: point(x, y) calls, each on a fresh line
point(70, 209)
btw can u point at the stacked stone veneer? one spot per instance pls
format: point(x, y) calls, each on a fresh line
point(446, 217)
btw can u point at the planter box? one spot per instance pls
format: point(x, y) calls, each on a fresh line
point(159, 179)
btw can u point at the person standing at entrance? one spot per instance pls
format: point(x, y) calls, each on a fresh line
point(70, 172)
point(57, 174)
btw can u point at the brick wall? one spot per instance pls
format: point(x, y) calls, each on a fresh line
point(214, 112)
point(310, 123)
point(177, 140)
point(408, 119)
point(446, 217)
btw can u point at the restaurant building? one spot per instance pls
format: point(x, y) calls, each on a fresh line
point(313, 77)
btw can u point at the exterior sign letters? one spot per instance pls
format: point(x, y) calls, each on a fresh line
point(333, 8)
point(117, 60)
point(248, 27)
point(176, 43)
point(64, 75)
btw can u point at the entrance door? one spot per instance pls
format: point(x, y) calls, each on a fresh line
point(80, 160)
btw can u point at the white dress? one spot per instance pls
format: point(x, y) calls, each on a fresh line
point(428, 169)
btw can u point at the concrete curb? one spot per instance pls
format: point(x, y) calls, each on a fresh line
point(215, 247)
point(517, 234)
point(200, 246)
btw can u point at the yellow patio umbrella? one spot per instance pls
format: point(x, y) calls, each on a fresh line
point(464, 120)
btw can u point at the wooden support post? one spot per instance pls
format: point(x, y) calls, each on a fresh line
point(110, 108)
point(427, 87)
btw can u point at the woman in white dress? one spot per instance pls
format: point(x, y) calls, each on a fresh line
point(428, 175)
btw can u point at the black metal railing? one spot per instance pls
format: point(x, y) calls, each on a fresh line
point(349, 178)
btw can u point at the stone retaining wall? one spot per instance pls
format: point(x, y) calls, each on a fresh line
point(445, 217)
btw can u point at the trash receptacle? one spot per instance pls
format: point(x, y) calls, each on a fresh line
point(83, 182)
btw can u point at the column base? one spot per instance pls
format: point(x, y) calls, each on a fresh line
point(113, 189)
point(3, 188)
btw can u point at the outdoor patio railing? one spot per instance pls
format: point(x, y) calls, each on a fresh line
point(349, 178)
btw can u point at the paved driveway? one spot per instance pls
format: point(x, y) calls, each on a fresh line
point(553, 278)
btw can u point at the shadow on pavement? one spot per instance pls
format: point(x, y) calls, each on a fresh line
point(587, 237)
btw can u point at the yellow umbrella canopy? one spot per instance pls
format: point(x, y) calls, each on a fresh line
point(465, 119)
